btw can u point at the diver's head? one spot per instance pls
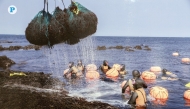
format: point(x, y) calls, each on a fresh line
point(136, 74)
point(105, 62)
point(122, 67)
point(138, 84)
point(164, 71)
point(79, 62)
point(71, 64)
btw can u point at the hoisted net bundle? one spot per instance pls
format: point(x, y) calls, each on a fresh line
point(37, 30)
point(82, 22)
point(57, 27)
point(90, 19)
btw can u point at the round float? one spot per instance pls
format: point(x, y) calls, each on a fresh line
point(158, 92)
point(146, 75)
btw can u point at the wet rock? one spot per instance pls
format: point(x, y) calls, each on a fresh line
point(116, 47)
point(1, 48)
point(14, 47)
point(138, 47)
point(27, 92)
point(36, 47)
point(119, 47)
point(147, 48)
point(101, 48)
point(5, 62)
point(5, 41)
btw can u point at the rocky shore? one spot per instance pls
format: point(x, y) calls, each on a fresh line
point(37, 90)
point(36, 47)
point(127, 48)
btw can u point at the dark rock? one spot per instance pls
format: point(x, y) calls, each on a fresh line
point(116, 47)
point(138, 47)
point(5, 41)
point(101, 48)
point(5, 62)
point(119, 47)
point(36, 47)
point(147, 48)
point(27, 92)
point(1, 48)
point(14, 47)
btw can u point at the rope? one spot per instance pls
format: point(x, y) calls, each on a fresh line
point(44, 4)
point(63, 4)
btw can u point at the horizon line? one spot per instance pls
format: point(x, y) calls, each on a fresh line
point(113, 36)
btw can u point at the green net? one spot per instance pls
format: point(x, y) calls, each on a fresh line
point(82, 22)
point(57, 27)
point(68, 26)
point(37, 30)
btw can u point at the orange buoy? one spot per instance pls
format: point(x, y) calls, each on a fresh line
point(114, 71)
point(68, 75)
point(185, 60)
point(187, 94)
point(148, 75)
point(92, 75)
point(117, 67)
point(158, 92)
point(175, 54)
point(155, 69)
point(91, 67)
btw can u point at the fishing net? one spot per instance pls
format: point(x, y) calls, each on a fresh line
point(37, 30)
point(57, 27)
point(68, 25)
point(82, 22)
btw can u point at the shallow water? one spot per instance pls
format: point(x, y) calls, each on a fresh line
point(55, 61)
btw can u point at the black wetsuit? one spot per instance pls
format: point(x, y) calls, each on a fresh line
point(138, 84)
point(144, 85)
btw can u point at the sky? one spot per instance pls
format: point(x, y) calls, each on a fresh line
point(159, 18)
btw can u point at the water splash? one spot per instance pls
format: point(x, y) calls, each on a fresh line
point(61, 54)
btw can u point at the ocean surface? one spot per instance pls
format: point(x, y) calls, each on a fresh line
point(56, 60)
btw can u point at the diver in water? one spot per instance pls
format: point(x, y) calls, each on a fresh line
point(72, 70)
point(129, 84)
point(122, 71)
point(105, 67)
point(80, 66)
point(167, 75)
point(138, 98)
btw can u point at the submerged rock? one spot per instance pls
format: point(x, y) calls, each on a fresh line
point(138, 47)
point(36, 47)
point(101, 48)
point(127, 48)
point(5, 41)
point(147, 48)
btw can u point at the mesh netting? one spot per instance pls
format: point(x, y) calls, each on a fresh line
point(68, 25)
point(82, 22)
point(57, 27)
point(37, 30)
